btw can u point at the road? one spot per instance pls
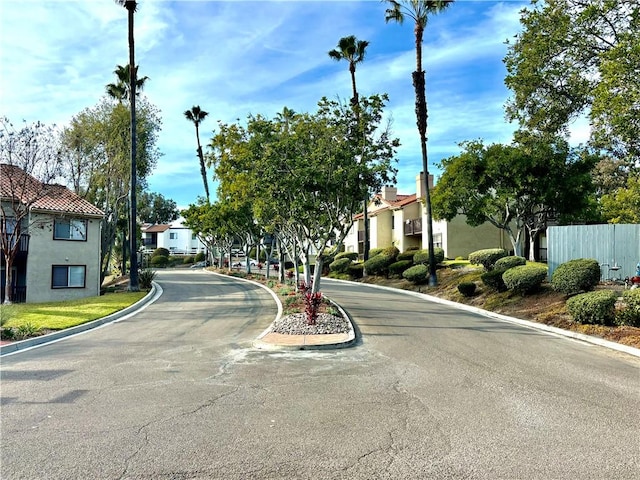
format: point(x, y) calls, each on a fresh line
point(178, 392)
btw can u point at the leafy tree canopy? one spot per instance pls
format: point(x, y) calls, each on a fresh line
point(154, 208)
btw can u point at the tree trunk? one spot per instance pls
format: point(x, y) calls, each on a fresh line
point(8, 275)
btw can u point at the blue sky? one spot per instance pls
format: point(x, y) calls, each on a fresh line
point(240, 57)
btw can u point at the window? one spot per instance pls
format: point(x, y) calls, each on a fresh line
point(64, 276)
point(437, 240)
point(70, 229)
point(193, 236)
point(173, 236)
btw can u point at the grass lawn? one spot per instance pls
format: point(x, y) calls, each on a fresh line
point(61, 315)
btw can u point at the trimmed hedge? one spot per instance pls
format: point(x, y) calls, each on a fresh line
point(187, 259)
point(200, 257)
point(391, 251)
point(375, 251)
point(378, 265)
point(487, 257)
point(493, 279)
point(355, 270)
point(630, 312)
point(467, 289)
point(340, 265)
point(422, 256)
point(524, 278)
point(159, 261)
point(160, 252)
point(505, 263)
point(353, 256)
point(576, 276)
point(396, 268)
point(417, 274)
point(593, 307)
point(406, 255)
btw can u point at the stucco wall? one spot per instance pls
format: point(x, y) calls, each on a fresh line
point(460, 239)
point(44, 252)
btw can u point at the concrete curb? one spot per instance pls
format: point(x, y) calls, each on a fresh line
point(263, 343)
point(525, 323)
point(22, 345)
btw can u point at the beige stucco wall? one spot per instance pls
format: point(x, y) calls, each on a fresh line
point(44, 252)
point(460, 239)
point(380, 228)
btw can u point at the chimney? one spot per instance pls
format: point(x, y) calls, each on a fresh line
point(420, 184)
point(390, 194)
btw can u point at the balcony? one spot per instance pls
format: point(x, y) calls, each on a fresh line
point(23, 247)
point(413, 227)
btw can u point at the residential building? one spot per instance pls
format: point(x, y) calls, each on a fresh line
point(58, 257)
point(400, 220)
point(174, 236)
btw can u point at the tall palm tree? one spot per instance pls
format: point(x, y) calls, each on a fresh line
point(196, 115)
point(134, 284)
point(121, 89)
point(419, 11)
point(353, 50)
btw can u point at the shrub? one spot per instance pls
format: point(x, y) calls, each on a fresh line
point(524, 278)
point(160, 252)
point(340, 265)
point(593, 307)
point(146, 277)
point(375, 251)
point(396, 268)
point(422, 256)
point(187, 259)
point(406, 255)
point(417, 274)
point(391, 252)
point(487, 257)
point(200, 257)
point(576, 276)
point(159, 261)
point(505, 263)
point(630, 312)
point(353, 256)
point(493, 279)
point(355, 270)
point(378, 265)
point(467, 289)
point(413, 248)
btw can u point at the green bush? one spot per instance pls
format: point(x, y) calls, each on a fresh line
point(160, 252)
point(391, 251)
point(406, 255)
point(417, 274)
point(413, 248)
point(524, 278)
point(355, 270)
point(467, 289)
point(593, 307)
point(378, 265)
point(353, 256)
point(159, 261)
point(487, 257)
point(422, 256)
point(493, 279)
point(199, 257)
point(576, 276)
point(375, 251)
point(396, 268)
point(505, 263)
point(340, 265)
point(630, 312)
point(146, 277)
point(187, 259)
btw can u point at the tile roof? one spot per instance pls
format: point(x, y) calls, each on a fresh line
point(16, 184)
point(156, 228)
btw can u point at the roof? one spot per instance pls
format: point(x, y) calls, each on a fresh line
point(17, 185)
point(401, 201)
point(156, 228)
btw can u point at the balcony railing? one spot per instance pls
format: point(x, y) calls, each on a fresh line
point(18, 294)
point(23, 247)
point(413, 227)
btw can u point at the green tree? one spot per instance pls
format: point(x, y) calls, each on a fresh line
point(353, 51)
point(419, 11)
point(517, 188)
point(154, 208)
point(623, 204)
point(196, 115)
point(121, 90)
point(575, 58)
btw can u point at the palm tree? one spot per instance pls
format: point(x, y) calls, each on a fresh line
point(196, 115)
point(419, 11)
point(121, 90)
point(353, 50)
point(134, 285)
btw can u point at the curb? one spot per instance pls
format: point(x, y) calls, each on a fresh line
point(525, 323)
point(22, 345)
point(263, 343)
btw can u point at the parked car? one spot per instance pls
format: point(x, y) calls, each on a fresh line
point(199, 265)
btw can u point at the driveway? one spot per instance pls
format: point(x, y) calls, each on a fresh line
point(178, 391)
